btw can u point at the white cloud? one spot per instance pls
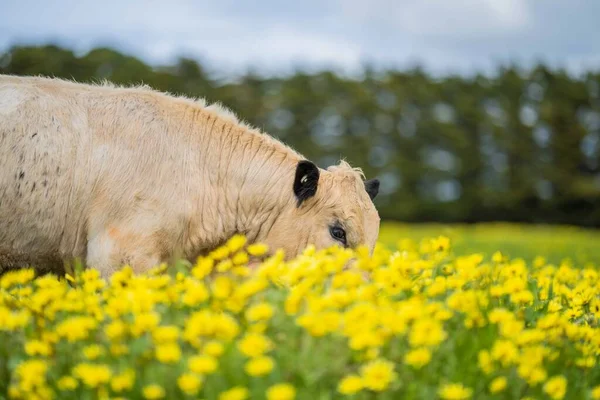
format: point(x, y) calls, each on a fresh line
point(440, 17)
point(276, 46)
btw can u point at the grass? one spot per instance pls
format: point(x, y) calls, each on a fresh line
point(555, 243)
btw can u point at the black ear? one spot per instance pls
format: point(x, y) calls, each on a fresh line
point(306, 180)
point(372, 188)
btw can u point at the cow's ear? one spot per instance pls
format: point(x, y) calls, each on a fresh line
point(305, 181)
point(372, 188)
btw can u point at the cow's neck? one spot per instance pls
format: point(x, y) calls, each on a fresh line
point(249, 178)
point(261, 186)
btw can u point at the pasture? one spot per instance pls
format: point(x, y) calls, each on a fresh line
point(554, 242)
point(455, 312)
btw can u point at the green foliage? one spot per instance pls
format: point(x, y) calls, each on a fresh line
point(518, 146)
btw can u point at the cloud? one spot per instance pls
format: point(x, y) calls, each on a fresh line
point(441, 18)
point(275, 48)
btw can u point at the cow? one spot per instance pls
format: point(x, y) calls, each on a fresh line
point(115, 175)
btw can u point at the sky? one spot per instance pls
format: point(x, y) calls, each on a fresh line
point(276, 37)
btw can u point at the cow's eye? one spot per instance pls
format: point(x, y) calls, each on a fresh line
point(338, 234)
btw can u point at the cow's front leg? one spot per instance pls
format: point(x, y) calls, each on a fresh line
point(110, 249)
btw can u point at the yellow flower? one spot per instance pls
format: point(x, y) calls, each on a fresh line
point(16, 277)
point(203, 267)
point(145, 323)
point(259, 366)
point(595, 307)
point(235, 393)
point(556, 387)
point(257, 249)
point(441, 243)
point(358, 341)
point(499, 315)
point(202, 364)
point(427, 332)
point(484, 361)
point(418, 358)
point(93, 351)
point(153, 391)
point(350, 384)
point(505, 351)
point(377, 375)
point(240, 258)
point(254, 345)
point(226, 327)
point(292, 303)
point(168, 353)
point(497, 257)
point(224, 265)
point(123, 381)
point(165, 334)
point(587, 362)
point(37, 347)
point(115, 329)
point(531, 373)
point(189, 384)
point(259, 312)
point(511, 328)
point(455, 391)
point(196, 293)
point(67, 383)
point(76, 328)
point(281, 391)
point(522, 297)
point(213, 348)
point(219, 253)
point(236, 242)
point(222, 287)
point(498, 384)
point(92, 375)
point(595, 393)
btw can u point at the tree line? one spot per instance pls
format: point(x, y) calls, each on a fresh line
point(515, 146)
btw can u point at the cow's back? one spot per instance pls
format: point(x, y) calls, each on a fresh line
point(114, 175)
point(44, 140)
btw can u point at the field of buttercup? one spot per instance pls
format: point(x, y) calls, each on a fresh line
point(458, 312)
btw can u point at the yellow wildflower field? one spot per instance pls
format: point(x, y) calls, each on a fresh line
point(412, 321)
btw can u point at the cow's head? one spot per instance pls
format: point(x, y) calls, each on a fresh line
point(329, 207)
